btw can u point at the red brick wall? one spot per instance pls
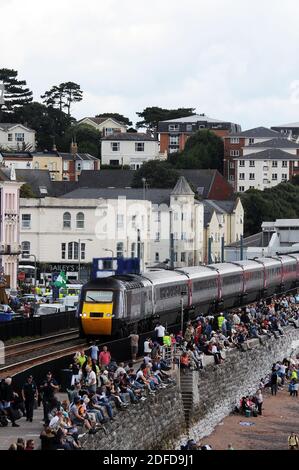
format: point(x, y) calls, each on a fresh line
point(221, 190)
point(164, 140)
point(72, 170)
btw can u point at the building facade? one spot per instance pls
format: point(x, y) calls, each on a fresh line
point(131, 149)
point(16, 137)
point(10, 226)
point(92, 222)
point(106, 126)
point(175, 132)
point(290, 130)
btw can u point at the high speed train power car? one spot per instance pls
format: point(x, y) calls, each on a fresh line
point(117, 305)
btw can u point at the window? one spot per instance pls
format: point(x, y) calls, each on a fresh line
point(96, 296)
point(73, 250)
point(115, 146)
point(133, 250)
point(234, 153)
point(174, 127)
point(114, 162)
point(250, 187)
point(242, 176)
point(284, 164)
point(183, 257)
point(26, 221)
point(67, 220)
point(26, 248)
point(174, 140)
point(231, 178)
point(65, 166)
point(157, 239)
point(109, 131)
point(19, 137)
point(36, 166)
point(80, 220)
point(232, 165)
point(119, 249)
point(83, 250)
point(251, 163)
point(183, 236)
point(251, 141)
point(139, 146)
point(157, 256)
point(274, 164)
point(274, 177)
point(234, 140)
point(251, 176)
point(241, 162)
point(189, 127)
point(284, 176)
point(9, 137)
point(241, 189)
point(120, 221)
point(63, 248)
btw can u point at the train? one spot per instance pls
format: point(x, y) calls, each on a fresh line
point(115, 306)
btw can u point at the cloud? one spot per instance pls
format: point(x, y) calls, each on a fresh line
point(232, 60)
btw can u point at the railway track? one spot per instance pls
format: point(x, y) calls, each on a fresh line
point(22, 356)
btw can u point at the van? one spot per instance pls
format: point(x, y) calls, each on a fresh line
point(48, 309)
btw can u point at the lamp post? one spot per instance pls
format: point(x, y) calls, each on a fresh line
point(79, 254)
point(26, 256)
point(112, 252)
point(182, 311)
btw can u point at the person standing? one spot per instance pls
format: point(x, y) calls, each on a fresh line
point(48, 387)
point(104, 357)
point(94, 352)
point(134, 345)
point(7, 396)
point(273, 383)
point(29, 394)
point(259, 401)
point(293, 441)
point(160, 331)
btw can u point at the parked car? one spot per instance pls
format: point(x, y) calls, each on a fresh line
point(48, 309)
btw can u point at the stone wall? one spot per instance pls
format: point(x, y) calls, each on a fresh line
point(153, 424)
point(217, 389)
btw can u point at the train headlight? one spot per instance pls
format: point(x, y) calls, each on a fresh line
point(84, 315)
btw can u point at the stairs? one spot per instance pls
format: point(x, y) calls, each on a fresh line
point(187, 385)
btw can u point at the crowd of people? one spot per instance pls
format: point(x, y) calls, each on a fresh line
point(212, 335)
point(99, 389)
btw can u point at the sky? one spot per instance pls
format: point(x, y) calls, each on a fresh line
point(234, 60)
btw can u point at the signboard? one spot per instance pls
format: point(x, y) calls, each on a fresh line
point(21, 276)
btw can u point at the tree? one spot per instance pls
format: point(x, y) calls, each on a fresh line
point(49, 123)
point(62, 96)
point(157, 174)
point(118, 117)
point(152, 115)
point(26, 191)
point(279, 202)
point(15, 94)
point(203, 150)
point(87, 137)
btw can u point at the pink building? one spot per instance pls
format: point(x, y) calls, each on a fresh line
point(10, 224)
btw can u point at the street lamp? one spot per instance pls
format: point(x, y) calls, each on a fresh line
point(112, 252)
point(182, 311)
point(26, 256)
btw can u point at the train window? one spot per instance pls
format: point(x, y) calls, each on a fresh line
point(98, 296)
point(205, 285)
point(230, 280)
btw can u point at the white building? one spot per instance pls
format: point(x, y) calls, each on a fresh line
point(89, 223)
point(266, 164)
point(130, 148)
point(107, 126)
point(279, 237)
point(16, 137)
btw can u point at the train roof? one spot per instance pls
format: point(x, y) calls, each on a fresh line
point(269, 262)
point(164, 276)
point(226, 268)
point(194, 272)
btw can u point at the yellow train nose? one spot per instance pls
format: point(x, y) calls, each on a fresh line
point(96, 319)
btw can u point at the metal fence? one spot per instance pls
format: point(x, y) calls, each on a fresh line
point(38, 326)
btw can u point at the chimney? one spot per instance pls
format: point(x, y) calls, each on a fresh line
point(74, 148)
